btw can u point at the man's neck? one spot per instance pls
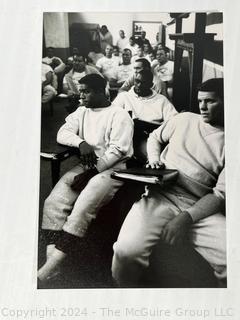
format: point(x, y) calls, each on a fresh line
point(163, 63)
point(146, 93)
point(101, 102)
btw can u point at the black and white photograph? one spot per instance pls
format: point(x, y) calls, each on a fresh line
point(132, 180)
point(119, 166)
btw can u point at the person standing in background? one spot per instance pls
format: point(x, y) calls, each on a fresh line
point(122, 42)
point(105, 38)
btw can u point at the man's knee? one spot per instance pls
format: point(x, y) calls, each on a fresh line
point(127, 253)
point(102, 182)
point(48, 93)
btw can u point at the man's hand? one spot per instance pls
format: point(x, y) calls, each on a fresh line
point(87, 155)
point(176, 230)
point(81, 180)
point(155, 165)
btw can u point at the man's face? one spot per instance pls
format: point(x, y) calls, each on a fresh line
point(131, 41)
point(109, 51)
point(141, 86)
point(121, 33)
point(161, 56)
point(78, 64)
point(143, 34)
point(139, 52)
point(151, 56)
point(126, 57)
point(50, 53)
point(88, 96)
point(116, 52)
point(137, 67)
point(75, 51)
point(146, 48)
point(211, 107)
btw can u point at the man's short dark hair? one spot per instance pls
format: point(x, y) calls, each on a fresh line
point(165, 49)
point(146, 64)
point(77, 56)
point(127, 50)
point(94, 81)
point(213, 85)
point(147, 75)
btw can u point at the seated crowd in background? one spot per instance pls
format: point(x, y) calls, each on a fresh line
point(117, 64)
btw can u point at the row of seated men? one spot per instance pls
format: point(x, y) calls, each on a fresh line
point(118, 69)
point(190, 210)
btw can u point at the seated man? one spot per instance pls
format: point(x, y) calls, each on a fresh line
point(190, 210)
point(108, 64)
point(75, 53)
point(132, 46)
point(116, 53)
point(139, 55)
point(143, 64)
point(164, 69)
point(95, 54)
point(55, 62)
point(143, 102)
point(79, 70)
point(49, 83)
point(97, 130)
point(124, 71)
point(69, 63)
point(147, 49)
point(153, 60)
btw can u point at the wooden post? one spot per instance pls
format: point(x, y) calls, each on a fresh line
point(197, 60)
point(178, 52)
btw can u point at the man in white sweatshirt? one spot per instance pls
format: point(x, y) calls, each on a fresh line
point(103, 134)
point(143, 103)
point(191, 209)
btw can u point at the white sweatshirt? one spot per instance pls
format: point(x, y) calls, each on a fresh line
point(195, 148)
point(154, 107)
point(108, 130)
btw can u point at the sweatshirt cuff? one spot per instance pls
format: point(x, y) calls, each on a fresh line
point(196, 215)
point(105, 163)
point(74, 141)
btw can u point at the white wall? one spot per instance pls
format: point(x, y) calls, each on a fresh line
point(117, 21)
point(56, 29)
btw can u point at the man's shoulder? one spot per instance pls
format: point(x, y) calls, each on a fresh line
point(101, 60)
point(186, 119)
point(117, 111)
point(160, 97)
point(91, 69)
point(186, 115)
point(122, 95)
point(46, 68)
